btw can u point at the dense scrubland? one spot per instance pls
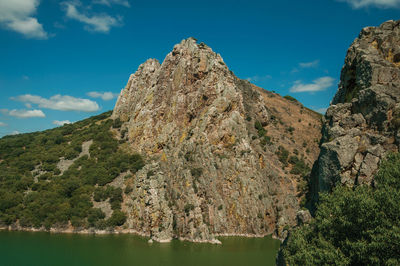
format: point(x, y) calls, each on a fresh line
point(35, 193)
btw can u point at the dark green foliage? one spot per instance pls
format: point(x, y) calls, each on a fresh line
point(188, 207)
point(290, 130)
point(128, 189)
point(290, 98)
point(299, 166)
point(117, 218)
point(115, 198)
point(136, 162)
point(94, 216)
point(196, 172)
point(117, 123)
point(260, 129)
point(100, 194)
point(283, 155)
point(262, 134)
point(358, 226)
point(265, 140)
point(58, 199)
point(150, 173)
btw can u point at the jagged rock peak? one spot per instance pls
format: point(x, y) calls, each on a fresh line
point(362, 124)
point(375, 47)
point(212, 168)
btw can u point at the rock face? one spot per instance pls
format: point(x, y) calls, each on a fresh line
point(362, 124)
point(213, 143)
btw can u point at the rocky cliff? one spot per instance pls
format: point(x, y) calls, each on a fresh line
point(224, 157)
point(362, 124)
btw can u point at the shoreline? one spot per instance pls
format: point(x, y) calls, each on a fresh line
point(133, 232)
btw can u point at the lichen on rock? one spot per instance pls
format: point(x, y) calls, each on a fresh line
point(361, 125)
point(207, 173)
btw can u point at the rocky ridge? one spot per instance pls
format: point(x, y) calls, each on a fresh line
point(217, 150)
point(362, 124)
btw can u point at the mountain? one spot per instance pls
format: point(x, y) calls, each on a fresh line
point(362, 124)
point(190, 151)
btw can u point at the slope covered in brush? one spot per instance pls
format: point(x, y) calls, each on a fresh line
point(52, 179)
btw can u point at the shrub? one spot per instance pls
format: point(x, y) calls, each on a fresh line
point(117, 218)
point(359, 226)
point(188, 207)
point(283, 155)
point(290, 98)
point(128, 189)
point(94, 216)
point(196, 172)
point(117, 123)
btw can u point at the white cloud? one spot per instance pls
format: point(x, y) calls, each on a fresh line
point(111, 2)
point(309, 64)
point(15, 132)
point(98, 23)
point(321, 110)
point(61, 123)
point(3, 124)
point(17, 15)
point(319, 84)
point(305, 65)
point(60, 102)
point(26, 113)
point(377, 3)
point(106, 96)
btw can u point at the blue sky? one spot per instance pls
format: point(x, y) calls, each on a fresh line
point(67, 60)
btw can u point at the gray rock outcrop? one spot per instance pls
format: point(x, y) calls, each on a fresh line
point(208, 173)
point(362, 124)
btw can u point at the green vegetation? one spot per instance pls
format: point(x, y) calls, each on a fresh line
point(359, 226)
point(188, 207)
point(33, 190)
point(117, 123)
point(290, 98)
point(283, 155)
point(262, 134)
point(196, 172)
point(299, 166)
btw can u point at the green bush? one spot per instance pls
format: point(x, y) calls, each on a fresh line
point(188, 207)
point(283, 155)
point(196, 172)
point(117, 123)
point(358, 226)
point(117, 218)
point(290, 98)
point(94, 216)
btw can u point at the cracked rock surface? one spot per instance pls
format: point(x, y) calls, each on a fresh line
point(362, 124)
point(207, 172)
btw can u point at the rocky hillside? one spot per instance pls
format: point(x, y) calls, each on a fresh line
point(224, 157)
point(362, 124)
point(357, 222)
point(190, 151)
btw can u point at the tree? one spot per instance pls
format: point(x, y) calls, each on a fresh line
point(359, 226)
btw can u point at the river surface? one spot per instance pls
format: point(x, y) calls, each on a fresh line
point(26, 248)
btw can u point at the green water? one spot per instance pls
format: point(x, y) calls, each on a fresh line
point(24, 248)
